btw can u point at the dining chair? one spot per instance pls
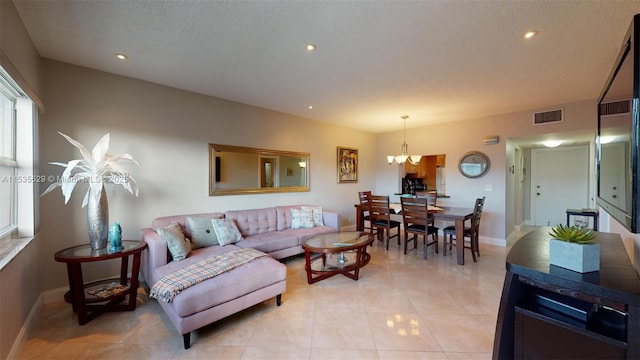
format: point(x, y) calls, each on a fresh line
point(432, 200)
point(380, 218)
point(417, 220)
point(364, 209)
point(471, 232)
point(431, 196)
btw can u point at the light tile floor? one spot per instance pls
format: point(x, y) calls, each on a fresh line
point(402, 307)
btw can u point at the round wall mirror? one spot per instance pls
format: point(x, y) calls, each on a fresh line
point(474, 164)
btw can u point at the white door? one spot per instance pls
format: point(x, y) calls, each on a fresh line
point(268, 172)
point(612, 174)
point(560, 181)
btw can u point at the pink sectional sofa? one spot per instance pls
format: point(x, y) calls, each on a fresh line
point(268, 230)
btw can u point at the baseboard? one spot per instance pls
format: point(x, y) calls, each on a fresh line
point(492, 241)
point(23, 335)
point(55, 295)
point(46, 297)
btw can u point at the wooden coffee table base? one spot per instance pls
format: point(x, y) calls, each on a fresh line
point(323, 263)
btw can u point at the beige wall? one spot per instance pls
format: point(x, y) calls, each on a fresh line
point(18, 54)
point(19, 284)
point(631, 241)
point(168, 131)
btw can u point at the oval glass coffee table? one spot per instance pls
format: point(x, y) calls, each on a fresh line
point(337, 253)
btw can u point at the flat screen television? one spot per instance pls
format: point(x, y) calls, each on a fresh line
point(618, 171)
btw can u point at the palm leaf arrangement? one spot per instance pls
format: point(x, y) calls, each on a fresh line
point(95, 168)
point(573, 234)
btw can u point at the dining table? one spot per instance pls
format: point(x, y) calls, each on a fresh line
point(447, 213)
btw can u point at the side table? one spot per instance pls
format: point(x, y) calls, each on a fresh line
point(83, 298)
point(593, 213)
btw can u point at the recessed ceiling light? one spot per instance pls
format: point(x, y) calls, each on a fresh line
point(121, 56)
point(310, 107)
point(552, 143)
point(606, 139)
point(311, 47)
point(530, 34)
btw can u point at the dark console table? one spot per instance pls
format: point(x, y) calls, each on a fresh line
point(551, 312)
point(588, 213)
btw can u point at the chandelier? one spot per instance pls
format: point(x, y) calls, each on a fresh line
point(403, 157)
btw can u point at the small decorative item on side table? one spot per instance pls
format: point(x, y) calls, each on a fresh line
point(573, 248)
point(115, 236)
point(91, 299)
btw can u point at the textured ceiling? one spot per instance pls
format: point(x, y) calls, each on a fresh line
point(437, 61)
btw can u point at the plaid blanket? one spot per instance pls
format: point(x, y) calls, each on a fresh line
point(172, 284)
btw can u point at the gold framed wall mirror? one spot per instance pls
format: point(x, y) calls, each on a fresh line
point(237, 170)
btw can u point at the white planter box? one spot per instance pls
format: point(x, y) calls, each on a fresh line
point(576, 257)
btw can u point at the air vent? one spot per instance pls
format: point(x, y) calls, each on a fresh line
point(548, 117)
point(615, 108)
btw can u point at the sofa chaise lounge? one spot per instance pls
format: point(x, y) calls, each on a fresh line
point(268, 230)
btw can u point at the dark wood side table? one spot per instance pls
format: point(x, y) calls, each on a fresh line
point(87, 305)
point(593, 213)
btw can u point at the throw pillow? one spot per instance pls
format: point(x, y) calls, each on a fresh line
point(202, 233)
point(301, 218)
point(178, 245)
point(226, 231)
point(316, 212)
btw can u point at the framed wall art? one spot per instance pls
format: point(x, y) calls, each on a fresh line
point(347, 165)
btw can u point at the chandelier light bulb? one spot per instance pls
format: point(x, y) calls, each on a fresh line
point(403, 157)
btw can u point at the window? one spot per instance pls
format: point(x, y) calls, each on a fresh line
point(8, 163)
point(17, 158)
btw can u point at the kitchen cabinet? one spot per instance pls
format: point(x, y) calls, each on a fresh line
point(425, 169)
point(416, 170)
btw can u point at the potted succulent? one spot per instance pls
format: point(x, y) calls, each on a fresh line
point(574, 248)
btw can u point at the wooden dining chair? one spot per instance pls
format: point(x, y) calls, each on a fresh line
point(431, 196)
point(380, 218)
point(364, 209)
point(471, 232)
point(417, 222)
point(432, 200)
